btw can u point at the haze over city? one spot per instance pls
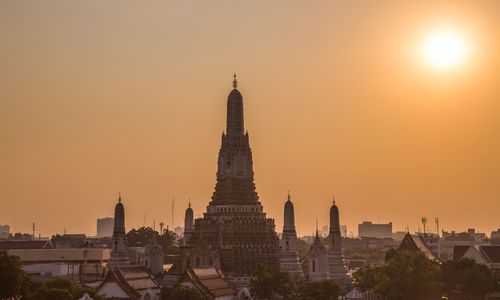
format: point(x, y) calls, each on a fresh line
point(344, 98)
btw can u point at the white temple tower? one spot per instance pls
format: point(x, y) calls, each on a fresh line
point(336, 263)
point(289, 260)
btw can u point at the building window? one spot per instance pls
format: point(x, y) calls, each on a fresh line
point(314, 265)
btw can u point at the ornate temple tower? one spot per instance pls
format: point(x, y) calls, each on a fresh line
point(316, 261)
point(289, 261)
point(154, 257)
point(188, 223)
point(336, 263)
point(234, 233)
point(119, 248)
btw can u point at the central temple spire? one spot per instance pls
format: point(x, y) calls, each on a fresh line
point(235, 124)
point(234, 233)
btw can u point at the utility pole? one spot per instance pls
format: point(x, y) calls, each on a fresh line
point(161, 227)
point(424, 222)
point(173, 220)
point(33, 231)
point(437, 225)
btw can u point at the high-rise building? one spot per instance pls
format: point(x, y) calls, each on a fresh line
point(234, 233)
point(368, 229)
point(105, 227)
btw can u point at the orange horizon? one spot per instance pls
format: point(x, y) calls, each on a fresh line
point(97, 99)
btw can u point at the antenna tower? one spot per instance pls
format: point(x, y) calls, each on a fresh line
point(424, 222)
point(173, 219)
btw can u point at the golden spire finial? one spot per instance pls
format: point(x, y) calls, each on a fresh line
point(333, 199)
point(289, 195)
point(235, 82)
point(119, 197)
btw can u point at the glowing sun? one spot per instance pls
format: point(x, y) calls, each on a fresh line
point(445, 49)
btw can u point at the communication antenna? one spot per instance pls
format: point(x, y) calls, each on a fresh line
point(437, 225)
point(424, 222)
point(161, 227)
point(173, 219)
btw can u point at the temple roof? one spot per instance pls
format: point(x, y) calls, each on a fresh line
point(416, 244)
point(209, 281)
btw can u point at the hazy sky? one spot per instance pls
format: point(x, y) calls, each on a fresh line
point(101, 97)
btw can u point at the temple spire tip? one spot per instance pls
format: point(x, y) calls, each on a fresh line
point(235, 81)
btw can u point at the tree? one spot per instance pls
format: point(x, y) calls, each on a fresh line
point(22, 236)
point(367, 278)
point(472, 279)
point(405, 275)
point(179, 293)
point(46, 293)
point(321, 290)
point(144, 235)
point(12, 277)
point(60, 289)
point(271, 283)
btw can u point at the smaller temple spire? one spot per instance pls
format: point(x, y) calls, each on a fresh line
point(289, 197)
point(189, 202)
point(316, 226)
point(235, 81)
point(119, 197)
point(333, 199)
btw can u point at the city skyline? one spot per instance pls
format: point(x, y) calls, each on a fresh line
point(392, 140)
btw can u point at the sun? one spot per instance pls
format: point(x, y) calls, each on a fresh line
point(445, 49)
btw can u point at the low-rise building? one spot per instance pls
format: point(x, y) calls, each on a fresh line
point(452, 239)
point(485, 255)
point(83, 264)
point(4, 231)
point(25, 244)
point(495, 237)
point(378, 243)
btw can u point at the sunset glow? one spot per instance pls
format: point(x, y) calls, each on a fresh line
point(445, 49)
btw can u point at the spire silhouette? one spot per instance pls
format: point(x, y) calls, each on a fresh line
point(235, 81)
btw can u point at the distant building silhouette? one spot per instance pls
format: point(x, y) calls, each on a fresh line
point(105, 227)
point(368, 229)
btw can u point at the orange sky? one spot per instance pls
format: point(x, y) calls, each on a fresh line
point(101, 97)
